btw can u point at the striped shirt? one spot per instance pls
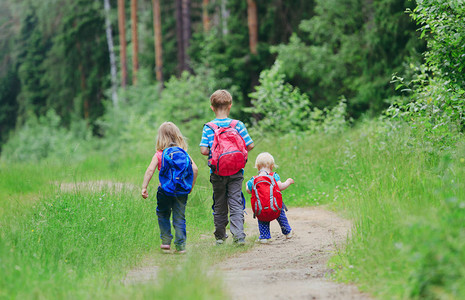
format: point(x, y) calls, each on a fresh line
point(208, 134)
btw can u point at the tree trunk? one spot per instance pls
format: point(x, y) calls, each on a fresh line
point(224, 16)
point(114, 95)
point(253, 26)
point(186, 32)
point(179, 36)
point(122, 42)
point(135, 42)
point(157, 41)
point(205, 17)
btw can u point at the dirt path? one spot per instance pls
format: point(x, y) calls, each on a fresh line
point(294, 268)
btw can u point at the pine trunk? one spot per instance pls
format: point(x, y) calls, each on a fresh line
point(157, 41)
point(186, 32)
point(253, 25)
point(122, 42)
point(224, 16)
point(135, 42)
point(179, 36)
point(205, 17)
point(111, 51)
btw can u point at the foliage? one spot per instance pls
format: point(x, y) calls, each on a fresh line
point(279, 107)
point(351, 48)
point(44, 137)
point(437, 91)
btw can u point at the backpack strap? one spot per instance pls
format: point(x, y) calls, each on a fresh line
point(233, 123)
point(212, 126)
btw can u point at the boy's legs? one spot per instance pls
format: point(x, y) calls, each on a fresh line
point(179, 221)
point(282, 220)
point(164, 206)
point(236, 212)
point(220, 208)
point(264, 229)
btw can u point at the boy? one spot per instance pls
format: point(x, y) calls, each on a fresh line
point(227, 190)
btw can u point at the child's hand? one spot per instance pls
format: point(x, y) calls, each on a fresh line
point(290, 181)
point(145, 194)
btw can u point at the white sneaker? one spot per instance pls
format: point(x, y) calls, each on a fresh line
point(289, 235)
point(263, 241)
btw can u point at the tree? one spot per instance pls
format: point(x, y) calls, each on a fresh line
point(114, 95)
point(205, 17)
point(183, 33)
point(158, 41)
point(351, 48)
point(134, 41)
point(122, 42)
point(253, 26)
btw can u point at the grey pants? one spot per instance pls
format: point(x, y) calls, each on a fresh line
point(227, 195)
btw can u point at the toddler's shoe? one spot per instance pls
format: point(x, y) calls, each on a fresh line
point(289, 235)
point(165, 248)
point(219, 242)
point(180, 251)
point(263, 241)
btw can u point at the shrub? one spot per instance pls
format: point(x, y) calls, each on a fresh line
point(280, 107)
point(45, 137)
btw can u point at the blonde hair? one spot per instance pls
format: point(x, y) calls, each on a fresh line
point(220, 99)
point(265, 160)
point(169, 135)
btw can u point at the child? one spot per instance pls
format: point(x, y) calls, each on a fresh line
point(169, 201)
point(227, 190)
point(265, 164)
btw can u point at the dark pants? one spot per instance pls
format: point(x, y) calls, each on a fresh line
point(227, 196)
point(177, 205)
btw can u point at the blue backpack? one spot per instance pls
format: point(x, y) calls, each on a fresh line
point(176, 175)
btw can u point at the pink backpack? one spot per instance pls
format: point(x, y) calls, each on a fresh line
point(266, 200)
point(228, 152)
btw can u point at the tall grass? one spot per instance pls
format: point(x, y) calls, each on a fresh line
point(80, 242)
point(405, 194)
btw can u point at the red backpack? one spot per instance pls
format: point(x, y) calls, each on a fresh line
point(228, 152)
point(267, 200)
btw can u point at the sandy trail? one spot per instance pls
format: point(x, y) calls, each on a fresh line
point(293, 268)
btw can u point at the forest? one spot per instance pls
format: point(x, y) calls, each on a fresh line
point(368, 96)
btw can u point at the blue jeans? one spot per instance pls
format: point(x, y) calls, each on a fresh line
point(264, 227)
point(176, 205)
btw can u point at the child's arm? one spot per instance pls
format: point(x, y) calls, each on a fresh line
point(247, 190)
point(284, 185)
point(250, 147)
point(195, 169)
point(148, 175)
point(204, 150)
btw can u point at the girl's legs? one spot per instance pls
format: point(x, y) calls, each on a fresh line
point(179, 222)
point(264, 228)
point(282, 220)
point(164, 206)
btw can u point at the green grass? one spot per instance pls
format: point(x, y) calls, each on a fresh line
point(406, 196)
point(404, 193)
point(80, 244)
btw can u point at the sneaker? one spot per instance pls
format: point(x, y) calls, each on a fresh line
point(289, 235)
point(263, 241)
point(165, 248)
point(180, 251)
point(219, 242)
point(240, 242)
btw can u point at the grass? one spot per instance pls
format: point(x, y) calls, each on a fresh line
point(404, 193)
point(80, 243)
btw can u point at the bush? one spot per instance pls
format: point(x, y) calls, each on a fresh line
point(44, 137)
point(279, 107)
